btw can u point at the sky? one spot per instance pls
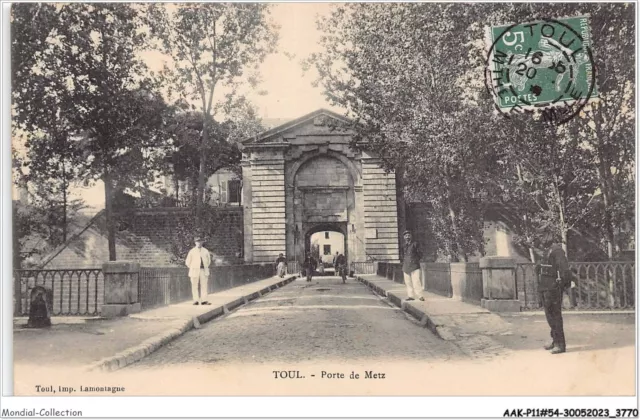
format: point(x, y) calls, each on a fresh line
point(290, 91)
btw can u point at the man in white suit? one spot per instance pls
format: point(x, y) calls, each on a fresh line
point(198, 261)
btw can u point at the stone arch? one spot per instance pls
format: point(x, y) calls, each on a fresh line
point(278, 212)
point(331, 227)
point(322, 192)
point(312, 229)
point(323, 171)
point(353, 170)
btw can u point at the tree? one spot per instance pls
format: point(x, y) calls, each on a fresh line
point(39, 81)
point(210, 44)
point(84, 58)
point(548, 176)
point(411, 75)
point(401, 72)
point(47, 173)
point(598, 144)
point(607, 127)
point(219, 152)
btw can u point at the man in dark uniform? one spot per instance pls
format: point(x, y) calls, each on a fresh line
point(554, 277)
point(341, 267)
point(309, 265)
point(411, 268)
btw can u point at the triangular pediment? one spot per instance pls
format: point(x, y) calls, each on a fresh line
point(318, 123)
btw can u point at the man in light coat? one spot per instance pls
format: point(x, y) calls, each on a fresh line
point(198, 260)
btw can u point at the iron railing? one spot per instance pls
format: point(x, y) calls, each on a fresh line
point(437, 278)
point(74, 291)
point(466, 281)
point(598, 285)
point(604, 285)
point(161, 286)
point(363, 267)
point(293, 267)
point(527, 286)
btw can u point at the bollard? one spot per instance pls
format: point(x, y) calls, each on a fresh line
point(121, 296)
point(499, 284)
point(41, 302)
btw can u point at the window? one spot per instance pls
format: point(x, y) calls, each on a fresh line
point(234, 190)
point(326, 235)
point(223, 192)
point(327, 249)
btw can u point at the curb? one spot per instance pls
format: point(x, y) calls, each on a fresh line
point(428, 321)
point(576, 312)
point(140, 351)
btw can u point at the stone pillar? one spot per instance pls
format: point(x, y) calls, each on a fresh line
point(380, 213)
point(247, 204)
point(268, 214)
point(121, 296)
point(499, 284)
point(356, 247)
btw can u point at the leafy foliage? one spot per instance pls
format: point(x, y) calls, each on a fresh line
point(578, 178)
point(79, 79)
point(404, 81)
point(412, 78)
point(221, 150)
point(211, 44)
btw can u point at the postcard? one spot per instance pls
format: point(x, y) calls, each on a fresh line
point(324, 200)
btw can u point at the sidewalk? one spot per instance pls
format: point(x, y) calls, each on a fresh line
point(110, 344)
point(470, 326)
point(479, 332)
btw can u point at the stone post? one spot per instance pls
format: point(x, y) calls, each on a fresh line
point(247, 197)
point(499, 284)
point(121, 296)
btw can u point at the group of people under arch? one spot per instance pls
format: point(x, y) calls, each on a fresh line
point(310, 266)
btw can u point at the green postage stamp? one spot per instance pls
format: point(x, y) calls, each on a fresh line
point(544, 65)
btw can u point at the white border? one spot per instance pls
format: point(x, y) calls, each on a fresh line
point(233, 407)
point(315, 407)
point(6, 187)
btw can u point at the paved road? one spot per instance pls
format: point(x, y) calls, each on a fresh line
point(317, 334)
point(322, 320)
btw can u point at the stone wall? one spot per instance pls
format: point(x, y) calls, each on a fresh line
point(380, 212)
point(417, 221)
point(268, 222)
point(498, 236)
point(152, 237)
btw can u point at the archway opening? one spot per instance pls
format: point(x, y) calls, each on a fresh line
point(322, 241)
point(324, 246)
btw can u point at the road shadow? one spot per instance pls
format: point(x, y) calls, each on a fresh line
point(583, 332)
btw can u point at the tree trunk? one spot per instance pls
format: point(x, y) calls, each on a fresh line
point(608, 225)
point(455, 254)
point(525, 219)
point(563, 230)
point(194, 190)
point(64, 203)
point(201, 171)
point(401, 209)
point(17, 263)
point(603, 181)
point(111, 231)
point(176, 184)
point(561, 215)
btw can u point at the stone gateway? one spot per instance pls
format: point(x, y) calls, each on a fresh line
point(303, 177)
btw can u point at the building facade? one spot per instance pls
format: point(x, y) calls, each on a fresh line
point(302, 178)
